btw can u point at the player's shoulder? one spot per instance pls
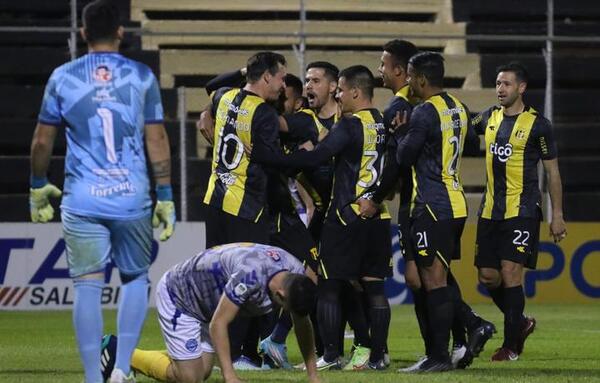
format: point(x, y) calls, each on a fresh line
point(540, 121)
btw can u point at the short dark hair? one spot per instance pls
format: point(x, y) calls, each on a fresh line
point(359, 76)
point(101, 21)
point(301, 293)
point(261, 62)
point(401, 51)
point(331, 71)
point(292, 81)
point(517, 68)
point(430, 65)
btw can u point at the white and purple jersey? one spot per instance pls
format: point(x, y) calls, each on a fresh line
point(240, 270)
point(104, 100)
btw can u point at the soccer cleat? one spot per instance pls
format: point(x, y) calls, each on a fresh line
point(276, 352)
point(379, 365)
point(434, 365)
point(415, 366)
point(118, 376)
point(323, 365)
point(528, 326)
point(479, 336)
point(359, 360)
point(243, 363)
point(504, 354)
point(461, 357)
point(108, 355)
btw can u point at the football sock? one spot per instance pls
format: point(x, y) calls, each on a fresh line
point(237, 334)
point(87, 320)
point(153, 364)
point(130, 319)
point(440, 310)
point(514, 303)
point(355, 313)
point(318, 340)
point(282, 328)
point(329, 313)
point(497, 295)
point(420, 297)
point(379, 315)
point(464, 317)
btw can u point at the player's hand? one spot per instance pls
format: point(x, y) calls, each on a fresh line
point(39, 205)
point(248, 149)
point(164, 212)
point(367, 208)
point(558, 229)
point(308, 146)
point(399, 121)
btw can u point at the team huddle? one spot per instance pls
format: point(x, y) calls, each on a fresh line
point(297, 231)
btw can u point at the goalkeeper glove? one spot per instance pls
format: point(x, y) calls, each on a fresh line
point(39, 206)
point(164, 211)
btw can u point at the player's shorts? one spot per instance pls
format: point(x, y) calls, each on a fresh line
point(514, 239)
point(292, 236)
point(185, 337)
point(436, 239)
point(404, 236)
point(92, 242)
point(362, 248)
point(223, 228)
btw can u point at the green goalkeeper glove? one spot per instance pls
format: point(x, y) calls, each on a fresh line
point(39, 206)
point(164, 212)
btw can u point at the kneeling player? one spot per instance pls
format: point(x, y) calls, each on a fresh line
point(197, 299)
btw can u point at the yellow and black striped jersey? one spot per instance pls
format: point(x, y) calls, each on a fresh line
point(357, 144)
point(514, 146)
point(238, 183)
point(433, 146)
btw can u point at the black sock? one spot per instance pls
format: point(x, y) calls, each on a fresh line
point(237, 334)
point(440, 310)
point(464, 317)
point(420, 297)
point(318, 339)
point(355, 313)
point(282, 328)
point(497, 295)
point(380, 315)
point(250, 344)
point(329, 314)
point(514, 303)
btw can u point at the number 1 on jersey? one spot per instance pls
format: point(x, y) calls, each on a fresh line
point(108, 132)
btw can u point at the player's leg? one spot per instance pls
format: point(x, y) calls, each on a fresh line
point(354, 312)
point(189, 355)
point(132, 250)
point(88, 251)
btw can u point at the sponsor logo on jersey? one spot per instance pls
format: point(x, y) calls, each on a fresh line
point(503, 153)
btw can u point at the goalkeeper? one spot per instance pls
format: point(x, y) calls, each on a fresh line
point(111, 110)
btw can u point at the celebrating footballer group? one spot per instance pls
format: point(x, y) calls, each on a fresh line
point(298, 234)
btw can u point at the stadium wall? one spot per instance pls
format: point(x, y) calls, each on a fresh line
point(33, 269)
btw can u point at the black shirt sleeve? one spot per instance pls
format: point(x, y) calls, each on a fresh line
point(544, 139)
point(418, 130)
point(216, 98)
point(471, 147)
point(230, 79)
point(301, 128)
point(265, 136)
point(479, 122)
point(332, 144)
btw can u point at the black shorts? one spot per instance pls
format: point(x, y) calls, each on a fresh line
point(223, 228)
point(360, 249)
point(433, 239)
point(293, 237)
point(514, 239)
point(406, 245)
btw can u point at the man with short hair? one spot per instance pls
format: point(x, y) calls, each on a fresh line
point(517, 137)
point(433, 147)
point(352, 248)
point(111, 108)
point(197, 300)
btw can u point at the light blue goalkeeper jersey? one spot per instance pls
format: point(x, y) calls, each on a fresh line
point(241, 271)
point(104, 100)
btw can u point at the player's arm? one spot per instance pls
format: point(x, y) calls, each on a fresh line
point(410, 147)
point(547, 148)
point(305, 336)
point(41, 149)
point(206, 127)
point(219, 334)
point(229, 79)
point(471, 146)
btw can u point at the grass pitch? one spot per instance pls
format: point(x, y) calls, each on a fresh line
point(40, 347)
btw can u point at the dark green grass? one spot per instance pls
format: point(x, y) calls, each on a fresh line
point(40, 347)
